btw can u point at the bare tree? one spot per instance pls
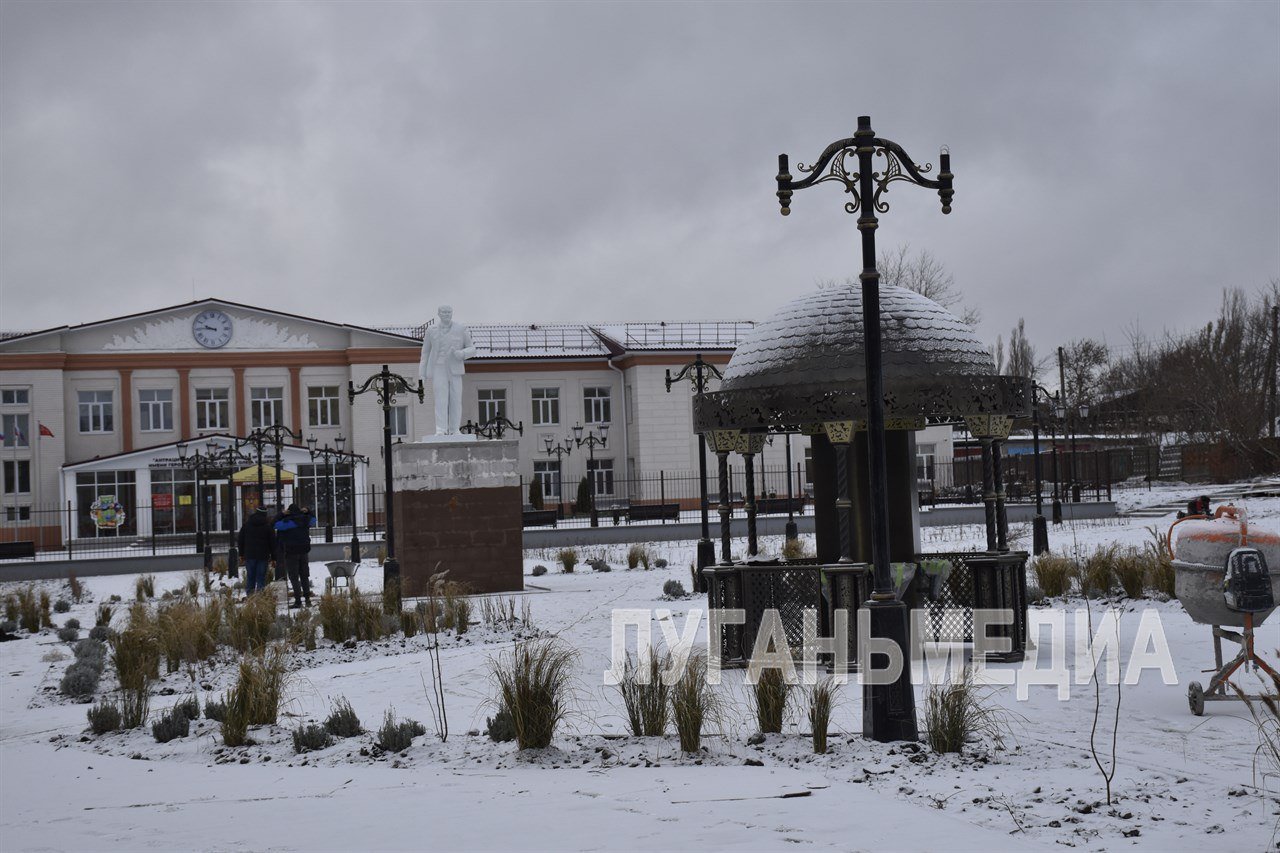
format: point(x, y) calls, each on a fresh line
point(1022, 355)
point(922, 272)
point(1084, 362)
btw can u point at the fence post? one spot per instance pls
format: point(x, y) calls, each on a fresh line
point(153, 533)
point(662, 494)
point(70, 531)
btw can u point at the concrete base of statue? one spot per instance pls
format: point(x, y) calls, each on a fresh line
point(458, 509)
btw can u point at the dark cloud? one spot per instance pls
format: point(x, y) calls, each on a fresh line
point(1115, 162)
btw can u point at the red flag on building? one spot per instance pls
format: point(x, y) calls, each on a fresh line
point(45, 431)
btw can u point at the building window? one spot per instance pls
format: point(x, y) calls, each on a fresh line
point(322, 405)
point(546, 406)
point(595, 405)
point(17, 477)
point(17, 513)
point(399, 421)
point(106, 503)
point(808, 470)
point(15, 397)
point(173, 500)
point(213, 408)
point(601, 472)
point(155, 409)
point(925, 456)
point(96, 411)
point(492, 403)
point(16, 430)
point(266, 407)
point(547, 476)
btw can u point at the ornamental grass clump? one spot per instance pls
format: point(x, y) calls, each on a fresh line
point(234, 725)
point(302, 631)
point(645, 695)
point(535, 681)
point(144, 587)
point(11, 609)
point(771, 693)
point(250, 623)
point(456, 613)
point(311, 737)
point(398, 736)
point(342, 720)
point(105, 612)
point(821, 699)
point(135, 653)
point(794, 549)
point(184, 634)
point(959, 711)
point(567, 558)
point(638, 555)
point(104, 717)
point(1053, 574)
point(692, 703)
point(75, 587)
point(365, 616)
point(335, 617)
point(1130, 570)
point(409, 623)
point(46, 609)
point(1097, 574)
point(28, 610)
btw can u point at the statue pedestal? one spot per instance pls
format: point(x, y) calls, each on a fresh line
point(458, 509)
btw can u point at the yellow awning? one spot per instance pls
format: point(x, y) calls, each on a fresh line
point(250, 475)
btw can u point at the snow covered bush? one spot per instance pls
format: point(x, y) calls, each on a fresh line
point(80, 681)
point(673, 589)
point(215, 710)
point(101, 633)
point(104, 717)
point(61, 606)
point(189, 707)
point(174, 724)
point(91, 651)
point(539, 571)
point(8, 626)
point(567, 558)
point(68, 635)
point(500, 727)
point(311, 737)
point(534, 683)
point(660, 563)
point(72, 623)
point(398, 736)
point(342, 720)
point(638, 555)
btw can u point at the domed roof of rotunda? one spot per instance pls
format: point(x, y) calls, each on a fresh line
point(818, 338)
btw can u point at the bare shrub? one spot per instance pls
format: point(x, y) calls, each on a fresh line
point(28, 610)
point(794, 549)
point(398, 736)
point(342, 720)
point(771, 693)
point(144, 587)
point(821, 699)
point(104, 717)
point(534, 682)
point(1053, 574)
point(567, 558)
point(638, 555)
point(644, 694)
point(311, 737)
point(692, 702)
point(105, 612)
point(136, 656)
point(956, 711)
point(75, 587)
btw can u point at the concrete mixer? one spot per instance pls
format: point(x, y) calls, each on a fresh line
point(1222, 579)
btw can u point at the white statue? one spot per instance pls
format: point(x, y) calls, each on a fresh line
point(445, 349)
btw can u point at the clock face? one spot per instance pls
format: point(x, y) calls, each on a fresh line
point(211, 329)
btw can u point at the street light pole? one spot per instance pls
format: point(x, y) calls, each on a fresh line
point(888, 708)
point(1039, 529)
point(1058, 413)
point(559, 450)
point(699, 374)
point(591, 440)
point(387, 385)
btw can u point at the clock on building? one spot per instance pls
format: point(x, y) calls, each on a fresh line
point(211, 329)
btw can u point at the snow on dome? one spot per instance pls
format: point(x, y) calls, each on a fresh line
point(818, 338)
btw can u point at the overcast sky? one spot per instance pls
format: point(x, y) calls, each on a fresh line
point(1115, 162)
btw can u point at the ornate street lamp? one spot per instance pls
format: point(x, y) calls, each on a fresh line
point(559, 450)
point(495, 427)
point(202, 545)
point(387, 385)
point(1039, 529)
point(888, 709)
point(328, 454)
point(592, 441)
point(699, 374)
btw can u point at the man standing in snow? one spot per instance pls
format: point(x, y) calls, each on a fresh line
point(257, 547)
point(293, 529)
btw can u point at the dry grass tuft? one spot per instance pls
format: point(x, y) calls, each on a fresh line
point(771, 693)
point(75, 587)
point(250, 623)
point(638, 555)
point(955, 712)
point(1097, 574)
point(1053, 574)
point(567, 558)
point(821, 699)
point(1130, 569)
point(692, 702)
point(534, 683)
point(135, 653)
point(646, 697)
point(794, 549)
point(28, 609)
point(145, 587)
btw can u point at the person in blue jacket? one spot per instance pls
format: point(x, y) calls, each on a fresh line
point(293, 532)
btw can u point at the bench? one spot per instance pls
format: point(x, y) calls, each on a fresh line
point(341, 570)
point(539, 517)
point(653, 512)
point(17, 550)
point(767, 506)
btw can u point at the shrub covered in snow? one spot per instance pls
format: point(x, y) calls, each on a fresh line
point(311, 737)
point(189, 708)
point(101, 633)
point(61, 606)
point(539, 571)
point(215, 709)
point(342, 721)
point(104, 717)
point(68, 635)
point(500, 727)
point(80, 680)
point(660, 563)
point(673, 589)
point(72, 623)
point(174, 724)
point(567, 558)
point(398, 736)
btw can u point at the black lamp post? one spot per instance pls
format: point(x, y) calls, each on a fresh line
point(387, 385)
point(203, 545)
point(1039, 529)
point(226, 459)
point(495, 427)
point(888, 709)
point(328, 454)
point(1059, 412)
point(792, 531)
point(591, 440)
point(699, 374)
point(559, 450)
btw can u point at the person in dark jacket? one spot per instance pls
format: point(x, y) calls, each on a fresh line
point(257, 548)
point(293, 532)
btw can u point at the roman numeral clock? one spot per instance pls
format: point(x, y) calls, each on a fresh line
point(211, 329)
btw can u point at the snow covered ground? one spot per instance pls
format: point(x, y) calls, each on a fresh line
point(1182, 782)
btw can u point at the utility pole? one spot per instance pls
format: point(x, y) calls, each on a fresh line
point(1271, 370)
